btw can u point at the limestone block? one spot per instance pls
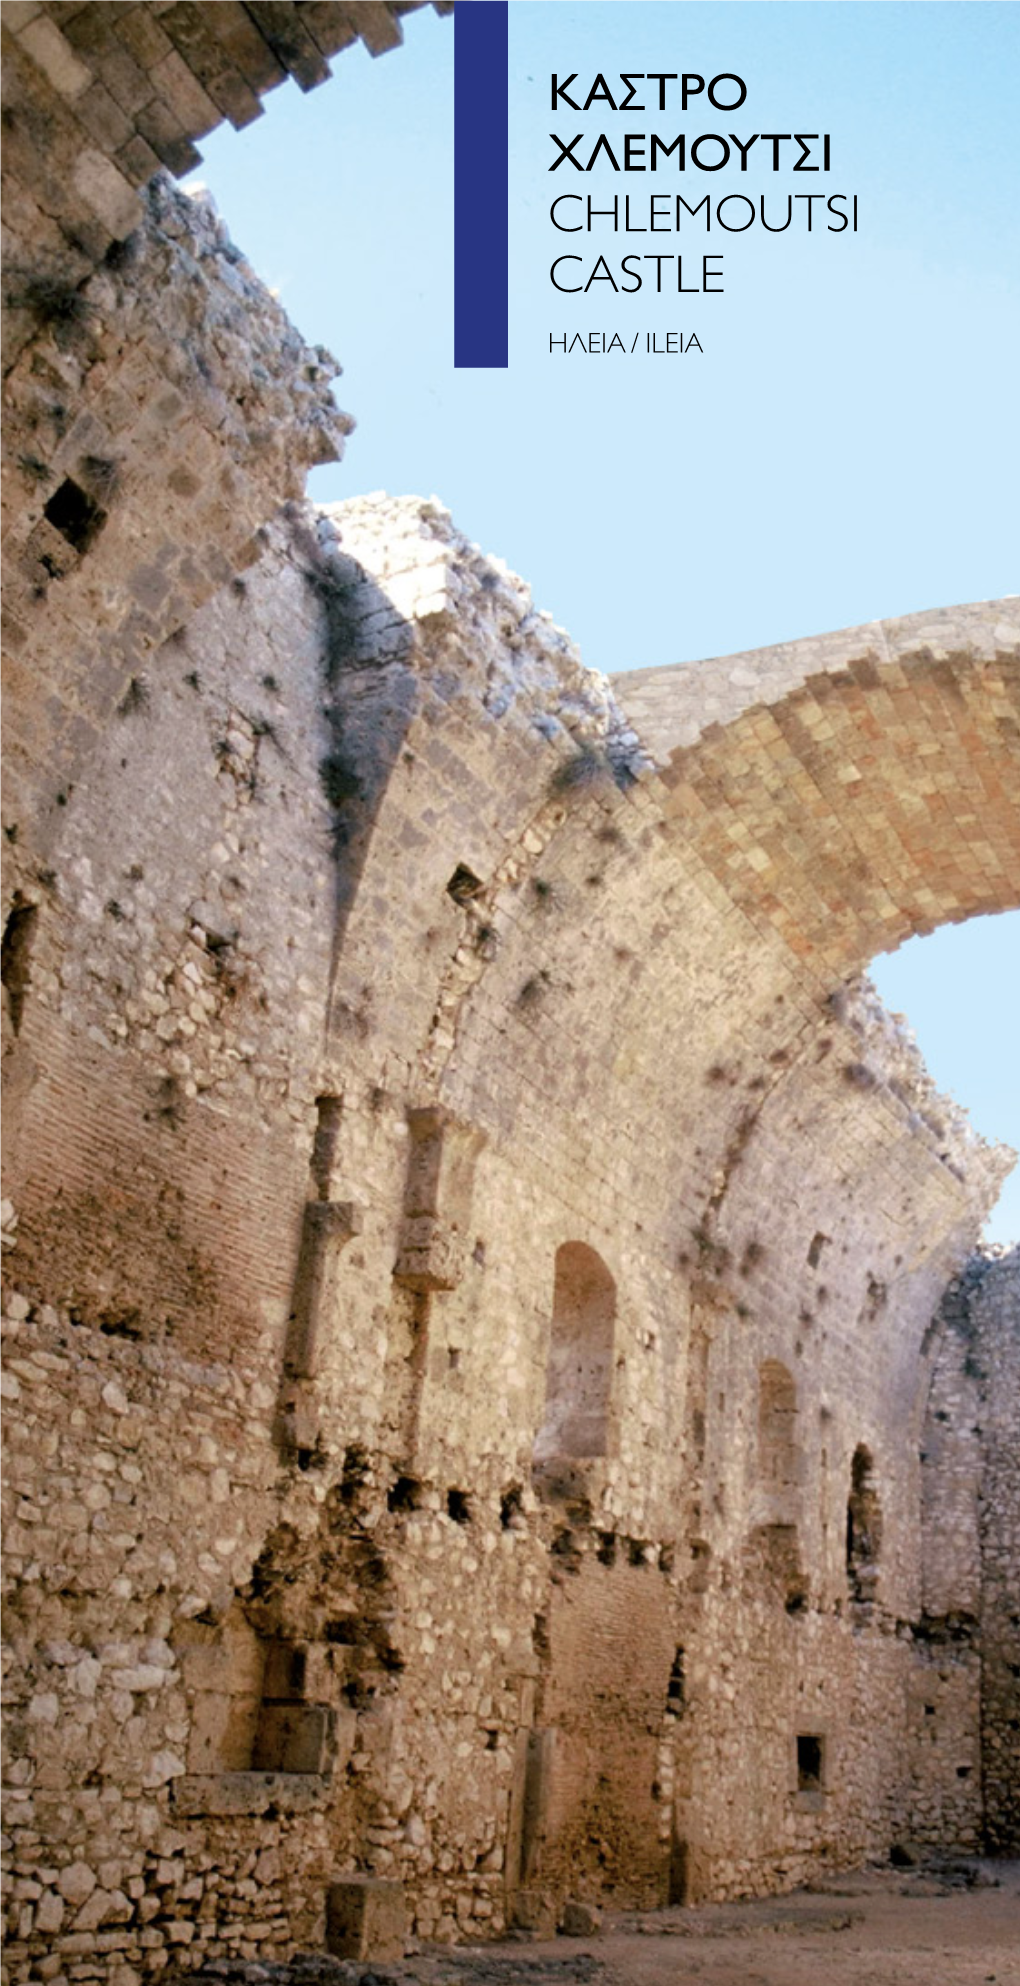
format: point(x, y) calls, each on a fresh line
point(201, 1793)
point(57, 60)
point(535, 1910)
point(580, 1920)
point(365, 1918)
point(76, 1883)
point(49, 1914)
point(222, 1732)
point(163, 1767)
point(107, 192)
point(431, 1255)
point(327, 1228)
point(294, 1737)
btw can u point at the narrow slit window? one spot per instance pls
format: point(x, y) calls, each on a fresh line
point(810, 1762)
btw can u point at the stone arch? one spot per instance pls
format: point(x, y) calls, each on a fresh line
point(876, 763)
point(863, 1526)
point(579, 1370)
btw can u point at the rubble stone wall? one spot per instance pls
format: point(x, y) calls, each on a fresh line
point(151, 435)
point(158, 405)
point(376, 978)
point(971, 1598)
point(475, 1415)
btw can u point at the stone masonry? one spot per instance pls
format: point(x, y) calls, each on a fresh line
point(501, 1399)
point(100, 94)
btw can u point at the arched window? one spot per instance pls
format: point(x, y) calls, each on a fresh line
point(580, 1368)
point(863, 1527)
point(778, 1466)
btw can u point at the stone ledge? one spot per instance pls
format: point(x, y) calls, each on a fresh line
point(250, 1792)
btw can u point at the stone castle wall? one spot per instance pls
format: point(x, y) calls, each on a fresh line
point(971, 1609)
point(311, 1163)
point(150, 437)
point(479, 1408)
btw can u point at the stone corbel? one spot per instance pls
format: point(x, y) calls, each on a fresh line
point(327, 1228)
point(431, 1255)
point(437, 1199)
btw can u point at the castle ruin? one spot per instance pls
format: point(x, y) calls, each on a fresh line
point(502, 1403)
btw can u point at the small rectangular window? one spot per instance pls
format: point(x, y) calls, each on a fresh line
point(810, 1759)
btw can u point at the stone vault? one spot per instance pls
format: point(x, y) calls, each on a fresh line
point(501, 1396)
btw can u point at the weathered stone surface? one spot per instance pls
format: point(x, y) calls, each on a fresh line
point(108, 98)
point(365, 1918)
point(76, 1883)
point(197, 410)
point(965, 1701)
point(476, 1336)
point(883, 735)
point(580, 1920)
point(560, 1599)
point(248, 1792)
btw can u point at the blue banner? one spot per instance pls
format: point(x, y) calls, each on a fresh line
point(480, 183)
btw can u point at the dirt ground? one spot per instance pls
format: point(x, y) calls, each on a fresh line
point(960, 1927)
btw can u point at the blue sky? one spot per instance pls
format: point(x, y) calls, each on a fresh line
point(844, 449)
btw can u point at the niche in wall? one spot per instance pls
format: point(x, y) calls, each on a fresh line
point(255, 1704)
point(863, 1528)
point(576, 1424)
point(778, 1460)
point(773, 1544)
